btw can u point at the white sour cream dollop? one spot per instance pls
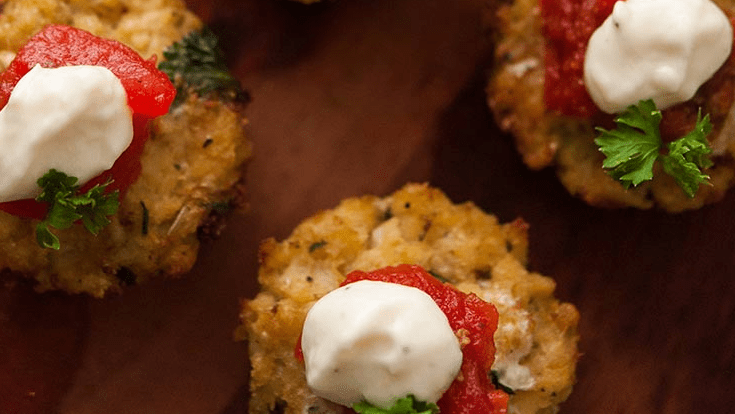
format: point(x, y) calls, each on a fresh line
point(655, 49)
point(378, 342)
point(74, 119)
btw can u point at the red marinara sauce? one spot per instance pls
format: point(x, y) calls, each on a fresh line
point(150, 94)
point(473, 320)
point(567, 26)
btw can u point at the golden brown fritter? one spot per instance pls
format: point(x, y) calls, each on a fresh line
point(515, 95)
point(537, 335)
point(192, 165)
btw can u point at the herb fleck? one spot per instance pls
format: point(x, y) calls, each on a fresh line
point(317, 245)
point(438, 276)
point(221, 207)
point(496, 382)
point(144, 221)
point(387, 215)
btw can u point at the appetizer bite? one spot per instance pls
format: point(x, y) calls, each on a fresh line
point(407, 303)
point(631, 101)
point(122, 143)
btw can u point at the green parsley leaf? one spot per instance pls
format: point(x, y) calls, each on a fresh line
point(54, 183)
point(45, 238)
point(197, 63)
point(406, 405)
point(66, 207)
point(687, 155)
point(632, 149)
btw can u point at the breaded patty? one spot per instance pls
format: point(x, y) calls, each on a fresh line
point(537, 335)
point(516, 97)
point(192, 166)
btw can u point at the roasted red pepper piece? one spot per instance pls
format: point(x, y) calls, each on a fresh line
point(149, 91)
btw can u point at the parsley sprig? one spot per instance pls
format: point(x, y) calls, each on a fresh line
point(197, 63)
point(66, 206)
point(406, 405)
point(632, 149)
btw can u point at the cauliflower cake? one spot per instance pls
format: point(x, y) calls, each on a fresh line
point(546, 138)
point(536, 338)
point(192, 164)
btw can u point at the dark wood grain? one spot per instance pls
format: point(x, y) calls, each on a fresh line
point(41, 343)
point(361, 96)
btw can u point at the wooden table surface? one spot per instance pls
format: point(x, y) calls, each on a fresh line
point(361, 96)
